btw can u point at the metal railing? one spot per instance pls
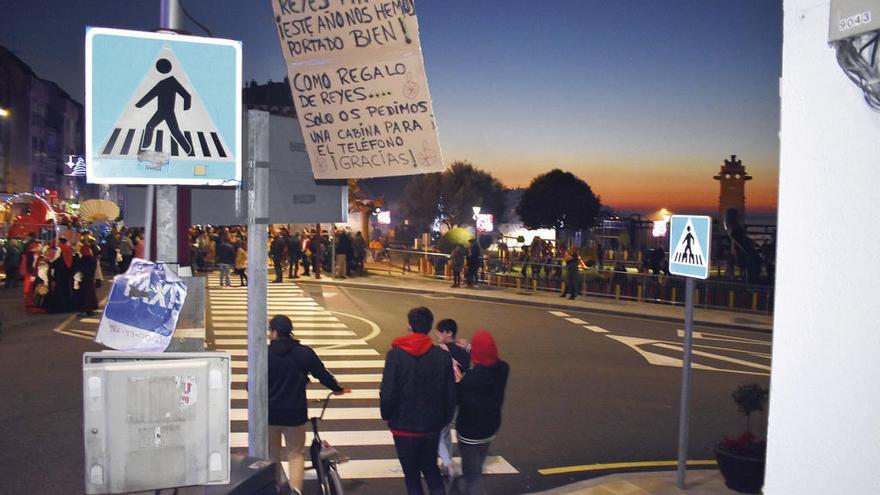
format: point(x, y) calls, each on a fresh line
point(540, 276)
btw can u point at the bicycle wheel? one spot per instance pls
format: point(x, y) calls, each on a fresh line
point(334, 481)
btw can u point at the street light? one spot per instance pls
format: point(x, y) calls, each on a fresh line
point(4, 112)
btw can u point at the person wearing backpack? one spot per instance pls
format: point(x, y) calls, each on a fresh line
point(480, 397)
point(290, 363)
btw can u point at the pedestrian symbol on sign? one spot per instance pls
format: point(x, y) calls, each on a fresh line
point(688, 250)
point(689, 244)
point(164, 120)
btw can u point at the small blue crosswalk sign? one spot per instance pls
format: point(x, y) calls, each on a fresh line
point(690, 239)
point(162, 108)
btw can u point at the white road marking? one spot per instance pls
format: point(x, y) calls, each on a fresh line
point(355, 394)
point(559, 313)
point(243, 317)
point(296, 332)
point(319, 352)
point(244, 341)
point(716, 356)
point(332, 364)
point(343, 378)
point(595, 328)
point(332, 413)
point(302, 325)
point(577, 321)
point(726, 338)
point(390, 468)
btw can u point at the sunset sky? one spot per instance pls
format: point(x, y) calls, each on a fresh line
point(643, 99)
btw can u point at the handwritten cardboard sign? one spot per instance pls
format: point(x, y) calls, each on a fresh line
point(359, 86)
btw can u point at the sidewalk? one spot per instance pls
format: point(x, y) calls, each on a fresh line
point(414, 283)
point(698, 482)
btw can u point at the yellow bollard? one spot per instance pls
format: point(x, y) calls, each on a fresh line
point(626, 256)
point(730, 298)
point(617, 291)
point(639, 293)
point(534, 284)
point(518, 283)
point(754, 301)
point(673, 294)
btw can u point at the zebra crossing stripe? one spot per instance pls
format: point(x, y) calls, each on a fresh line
point(354, 438)
point(559, 313)
point(596, 329)
point(301, 312)
point(577, 321)
point(320, 352)
point(331, 364)
point(331, 414)
point(340, 377)
point(355, 394)
point(300, 325)
point(244, 341)
point(240, 317)
point(296, 333)
point(390, 468)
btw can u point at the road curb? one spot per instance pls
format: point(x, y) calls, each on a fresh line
point(539, 304)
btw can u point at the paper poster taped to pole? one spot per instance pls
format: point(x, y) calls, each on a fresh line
point(359, 86)
point(142, 310)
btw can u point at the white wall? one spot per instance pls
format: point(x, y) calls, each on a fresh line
point(824, 424)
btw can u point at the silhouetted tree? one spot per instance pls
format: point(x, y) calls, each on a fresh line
point(451, 196)
point(558, 200)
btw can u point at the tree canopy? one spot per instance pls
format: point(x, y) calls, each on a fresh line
point(558, 200)
point(451, 196)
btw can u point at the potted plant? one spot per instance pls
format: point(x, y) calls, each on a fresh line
point(741, 458)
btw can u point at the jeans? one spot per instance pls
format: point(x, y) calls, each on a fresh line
point(418, 455)
point(295, 439)
point(472, 458)
point(292, 266)
point(444, 449)
point(224, 275)
point(278, 263)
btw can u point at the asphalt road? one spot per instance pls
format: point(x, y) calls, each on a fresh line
point(585, 388)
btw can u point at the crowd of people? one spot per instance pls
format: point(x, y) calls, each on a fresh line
point(225, 249)
point(427, 385)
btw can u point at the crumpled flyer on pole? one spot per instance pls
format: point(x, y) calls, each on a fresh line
point(143, 307)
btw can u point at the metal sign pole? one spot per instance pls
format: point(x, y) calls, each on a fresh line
point(258, 262)
point(166, 196)
point(684, 411)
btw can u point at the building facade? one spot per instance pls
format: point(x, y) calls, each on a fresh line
point(40, 126)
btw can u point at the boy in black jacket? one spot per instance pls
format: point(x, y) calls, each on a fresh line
point(480, 396)
point(290, 363)
point(417, 399)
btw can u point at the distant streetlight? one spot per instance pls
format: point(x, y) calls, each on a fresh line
point(4, 112)
point(665, 215)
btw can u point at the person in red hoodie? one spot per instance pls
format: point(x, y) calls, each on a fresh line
point(417, 399)
point(480, 397)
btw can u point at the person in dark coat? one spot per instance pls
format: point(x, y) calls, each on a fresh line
point(474, 260)
point(289, 365)
point(456, 264)
point(417, 399)
point(480, 397)
point(12, 264)
point(225, 261)
point(316, 246)
point(294, 253)
point(572, 275)
point(85, 299)
point(60, 278)
point(276, 249)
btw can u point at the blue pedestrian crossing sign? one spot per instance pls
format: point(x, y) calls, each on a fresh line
point(690, 239)
point(162, 108)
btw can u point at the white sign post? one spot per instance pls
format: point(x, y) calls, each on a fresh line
point(689, 244)
point(359, 87)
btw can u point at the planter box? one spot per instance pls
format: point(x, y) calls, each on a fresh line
point(741, 473)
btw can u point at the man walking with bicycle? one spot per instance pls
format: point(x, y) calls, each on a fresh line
point(417, 399)
point(290, 363)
